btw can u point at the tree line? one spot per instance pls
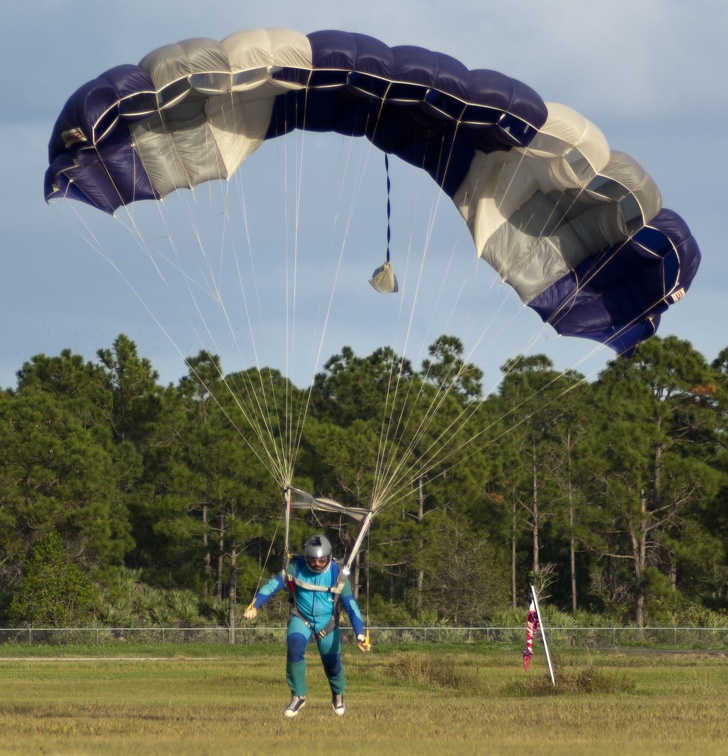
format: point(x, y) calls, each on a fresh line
point(127, 502)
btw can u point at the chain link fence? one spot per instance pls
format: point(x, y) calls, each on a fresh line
point(708, 638)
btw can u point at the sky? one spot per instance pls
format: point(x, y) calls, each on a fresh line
point(649, 73)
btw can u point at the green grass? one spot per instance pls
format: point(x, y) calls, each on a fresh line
point(187, 699)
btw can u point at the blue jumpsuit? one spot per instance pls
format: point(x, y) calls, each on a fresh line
point(315, 605)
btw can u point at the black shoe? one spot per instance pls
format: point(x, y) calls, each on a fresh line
point(337, 702)
point(297, 703)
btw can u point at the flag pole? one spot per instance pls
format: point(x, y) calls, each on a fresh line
point(543, 635)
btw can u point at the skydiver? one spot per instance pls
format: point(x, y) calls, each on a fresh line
point(311, 580)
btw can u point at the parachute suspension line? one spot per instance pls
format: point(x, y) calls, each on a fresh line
point(266, 397)
point(264, 400)
point(388, 473)
point(287, 302)
point(264, 567)
point(259, 418)
point(259, 422)
point(286, 477)
point(392, 380)
point(430, 414)
point(213, 286)
point(266, 413)
point(294, 435)
point(468, 411)
point(396, 473)
point(329, 305)
point(404, 471)
point(394, 383)
point(433, 460)
point(492, 440)
point(390, 426)
point(297, 419)
point(94, 243)
point(295, 416)
point(290, 417)
point(401, 494)
point(136, 234)
point(389, 404)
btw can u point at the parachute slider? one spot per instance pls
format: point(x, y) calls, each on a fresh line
point(298, 499)
point(384, 280)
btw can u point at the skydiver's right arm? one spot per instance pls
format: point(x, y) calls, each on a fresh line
point(268, 590)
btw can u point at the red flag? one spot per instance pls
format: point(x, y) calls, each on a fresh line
point(531, 627)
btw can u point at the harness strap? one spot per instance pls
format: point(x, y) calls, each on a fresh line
point(330, 625)
point(293, 581)
point(336, 588)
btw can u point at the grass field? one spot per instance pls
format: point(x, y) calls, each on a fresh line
point(433, 699)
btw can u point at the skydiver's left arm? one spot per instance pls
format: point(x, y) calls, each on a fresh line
point(352, 609)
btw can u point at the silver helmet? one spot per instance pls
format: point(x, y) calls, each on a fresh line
point(318, 553)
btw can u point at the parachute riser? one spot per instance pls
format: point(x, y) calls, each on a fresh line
point(287, 507)
point(346, 568)
point(363, 531)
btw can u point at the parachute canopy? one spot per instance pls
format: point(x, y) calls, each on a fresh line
point(576, 229)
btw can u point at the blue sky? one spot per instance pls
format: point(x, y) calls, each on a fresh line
point(650, 74)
